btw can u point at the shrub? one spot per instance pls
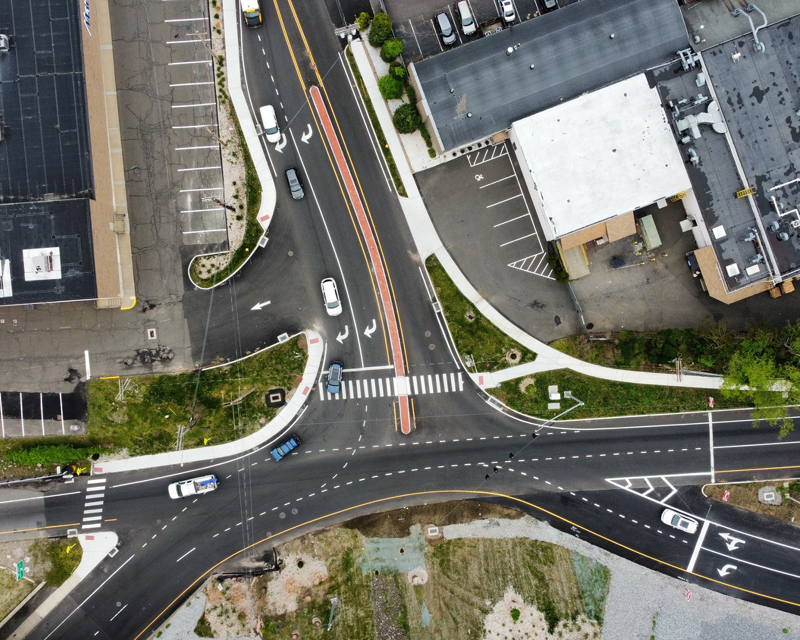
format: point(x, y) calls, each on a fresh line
point(391, 49)
point(49, 454)
point(381, 30)
point(398, 71)
point(363, 21)
point(391, 88)
point(515, 614)
point(407, 119)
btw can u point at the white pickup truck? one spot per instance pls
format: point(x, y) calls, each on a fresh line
point(193, 486)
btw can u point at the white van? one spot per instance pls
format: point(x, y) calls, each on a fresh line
point(464, 12)
point(270, 122)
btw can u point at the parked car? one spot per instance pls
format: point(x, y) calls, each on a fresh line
point(284, 448)
point(270, 122)
point(330, 296)
point(295, 184)
point(550, 4)
point(193, 487)
point(335, 377)
point(464, 13)
point(679, 521)
point(507, 11)
point(445, 28)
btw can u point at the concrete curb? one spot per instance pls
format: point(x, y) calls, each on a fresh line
point(230, 15)
point(96, 546)
point(316, 348)
point(428, 242)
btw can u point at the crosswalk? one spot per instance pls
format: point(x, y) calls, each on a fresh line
point(93, 506)
point(355, 388)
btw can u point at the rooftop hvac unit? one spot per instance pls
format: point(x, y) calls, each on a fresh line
point(795, 224)
point(757, 259)
point(5, 43)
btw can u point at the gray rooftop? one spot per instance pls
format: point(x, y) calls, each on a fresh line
point(759, 96)
point(572, 52)
point(42, 102)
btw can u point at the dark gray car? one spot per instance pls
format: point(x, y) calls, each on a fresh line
point(445, 28)
point(295, 185)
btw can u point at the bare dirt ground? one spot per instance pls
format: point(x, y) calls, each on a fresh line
point(745, 496)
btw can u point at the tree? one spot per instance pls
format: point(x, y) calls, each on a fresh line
point(390, 87)
point(398, 70)
point(755, 374)
point(391, 49)
point(381, 30)
point(407, 119)
point(363, 21)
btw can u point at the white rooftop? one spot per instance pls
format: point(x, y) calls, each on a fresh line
point(601, 155)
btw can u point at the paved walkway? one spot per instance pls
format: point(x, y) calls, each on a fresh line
point(428, 242)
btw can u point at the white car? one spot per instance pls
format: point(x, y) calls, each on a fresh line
point(330, 296)
point(507, 11)
point(679, 521)
point(193, 487)
point(269, 120)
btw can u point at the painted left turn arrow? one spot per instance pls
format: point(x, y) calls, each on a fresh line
point(280, 145)
point(307, 135)
point(731, 542)
point(726, 569)
point(260, 306)
point(371, 329)
point(343, 336)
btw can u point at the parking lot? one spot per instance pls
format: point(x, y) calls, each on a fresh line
point(413, 22)
point(486, 221)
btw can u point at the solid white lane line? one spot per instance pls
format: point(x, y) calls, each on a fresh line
point(186, 554)
point(192, 106)
point(199, 169)
point(698, 545)
point(752, 564)
point(761, 444)
point(711, 445)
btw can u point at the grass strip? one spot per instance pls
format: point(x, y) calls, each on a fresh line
point(253, 230)
point(376, 125)
point(477, 337)
point(604, 398)
point(229, 402)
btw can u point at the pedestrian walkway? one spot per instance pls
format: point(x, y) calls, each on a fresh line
point(393, 386)
point(428, 242)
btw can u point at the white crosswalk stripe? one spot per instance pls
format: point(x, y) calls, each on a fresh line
point(361, 388)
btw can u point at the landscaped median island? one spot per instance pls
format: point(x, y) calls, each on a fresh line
point(141, 415)
point(393, 579)
point(746, 496)
point(477, 340)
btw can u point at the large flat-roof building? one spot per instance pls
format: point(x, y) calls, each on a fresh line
point(471, 92)
point(63, 226)
point(592, 162)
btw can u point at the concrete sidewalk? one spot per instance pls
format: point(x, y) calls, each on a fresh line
point(316, 348)
point(428, 242)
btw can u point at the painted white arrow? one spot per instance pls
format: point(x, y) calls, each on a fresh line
point(731, 542)
point(307, 136)
point(726, 569)
point(279, 147)
point(370, 330)
point(343, 336)
point(260, 306)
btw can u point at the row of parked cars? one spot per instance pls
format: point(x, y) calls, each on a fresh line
point(465, 17)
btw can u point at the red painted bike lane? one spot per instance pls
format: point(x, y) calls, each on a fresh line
point(374, 256)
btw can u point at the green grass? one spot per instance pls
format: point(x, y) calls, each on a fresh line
point(253, 230)
point(479, 338)
point(63, 557)
point(148, 418)
point(376, 125)
point(605, 397)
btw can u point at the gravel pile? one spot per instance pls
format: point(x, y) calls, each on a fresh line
point(643, 603)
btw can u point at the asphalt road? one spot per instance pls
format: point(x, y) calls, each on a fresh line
point(574, 477)
point(607, 479)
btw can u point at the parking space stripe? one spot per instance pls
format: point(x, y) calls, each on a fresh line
point(518, 239)
point(519, 195)
point(175, 64)
point(500, 224)
point(496, 181)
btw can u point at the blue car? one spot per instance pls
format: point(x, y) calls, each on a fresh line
point(335, 377)
point(283, 449)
